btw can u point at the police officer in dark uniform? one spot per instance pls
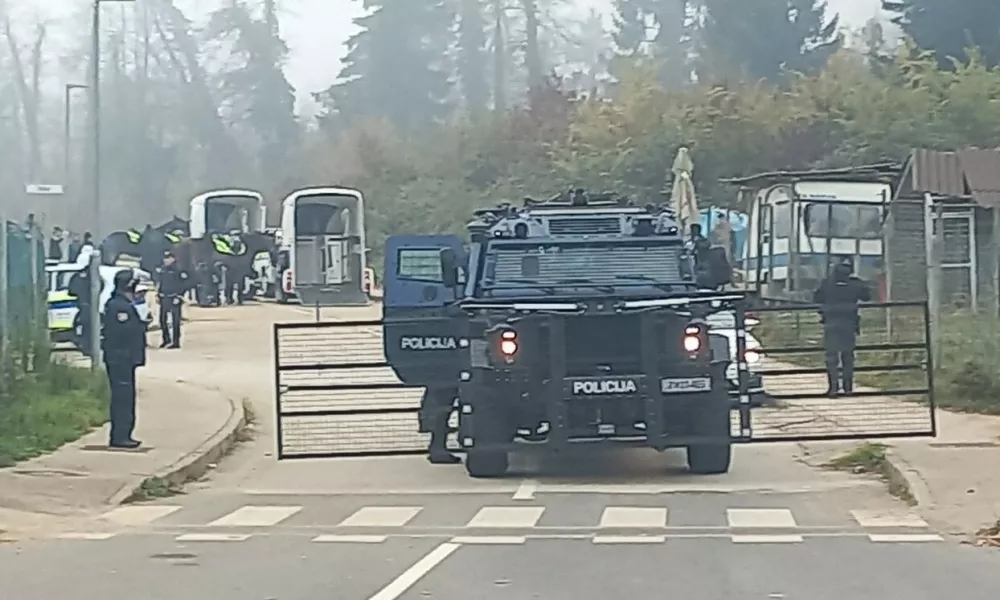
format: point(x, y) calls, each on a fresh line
point(435, 410)
point(838, 297)
point(124, 346)
point(79, 286)
point(173, 284)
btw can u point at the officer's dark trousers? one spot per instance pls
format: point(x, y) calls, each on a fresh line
point(170, 321)
point(839, 344)
point(84, 342)
point(121, 377)
point(434, 414)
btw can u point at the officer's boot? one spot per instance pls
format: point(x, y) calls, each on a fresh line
point(437, 452)
point(832, 375)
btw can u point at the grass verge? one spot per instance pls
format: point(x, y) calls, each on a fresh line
point(42, 410)
point(870, 459)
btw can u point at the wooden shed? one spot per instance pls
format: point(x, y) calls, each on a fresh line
point(954, 197)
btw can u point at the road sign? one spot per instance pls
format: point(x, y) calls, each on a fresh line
point(38, 189)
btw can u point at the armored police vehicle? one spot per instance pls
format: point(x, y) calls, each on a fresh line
point(574, 321)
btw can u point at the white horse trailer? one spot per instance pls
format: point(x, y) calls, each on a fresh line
point(226, 211)
point(322, 255)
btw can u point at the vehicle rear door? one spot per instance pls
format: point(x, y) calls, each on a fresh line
point(419, 334)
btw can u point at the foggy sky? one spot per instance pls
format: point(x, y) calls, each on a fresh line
point(315, 30)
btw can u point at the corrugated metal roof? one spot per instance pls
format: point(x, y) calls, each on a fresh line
point(936, 172)
point(982, 174)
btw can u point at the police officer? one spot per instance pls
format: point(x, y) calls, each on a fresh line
point(124, 345)
point(79, 286)
point(435, 410)
point(173, 284)
point(838, 297)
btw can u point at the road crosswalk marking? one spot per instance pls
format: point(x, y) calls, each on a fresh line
point(256, 516)
point(139, 514)
point(610, 525)
point(767, 539)
point(507, 517)
point(760, 518)
point(212, 537)
point(381, 516)
point(884, 518)
point(629, 516)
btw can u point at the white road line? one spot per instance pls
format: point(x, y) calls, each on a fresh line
point(489, 539)
point(86, 536)
point(526, 491)
point(212, 537)
point(510, 517)
point(350, 539)
point(767, 539)
point(139, 515)
point(905, 538)
point(630, 539)
point(381, 516)
point(759, 518)
point(407, 578)
point(256, 516)
point(888, 518)
point(630, 516)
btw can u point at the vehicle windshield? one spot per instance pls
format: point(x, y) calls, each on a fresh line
point(612, 264)
point(843, 221)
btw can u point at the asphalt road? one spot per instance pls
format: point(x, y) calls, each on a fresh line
point(629, 525)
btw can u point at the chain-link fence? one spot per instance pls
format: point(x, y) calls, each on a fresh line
point(23, 303)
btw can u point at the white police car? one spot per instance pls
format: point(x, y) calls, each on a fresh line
point(724, 324)
point(63, 308)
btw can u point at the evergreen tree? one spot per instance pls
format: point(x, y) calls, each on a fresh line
point(760, 39)
point(472, 68)
point(654, 29)
point(395, 66)
point(949, 27)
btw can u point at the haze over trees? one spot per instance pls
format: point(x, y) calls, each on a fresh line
point(445, 104)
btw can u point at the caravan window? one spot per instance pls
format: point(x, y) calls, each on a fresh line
point(419, 263)
point(843, 221)
point(782, 212)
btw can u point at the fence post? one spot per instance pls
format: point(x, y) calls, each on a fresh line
point(35, 237)
point(932, 240)
point(4, 297)
point(95, 309)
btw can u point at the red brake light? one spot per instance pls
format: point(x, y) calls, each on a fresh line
point(508, 343)
point(692, 339)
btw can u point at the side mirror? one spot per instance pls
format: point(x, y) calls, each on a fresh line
point(449, 268)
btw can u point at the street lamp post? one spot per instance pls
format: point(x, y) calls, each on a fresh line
point(95, 120)
point(95, 90)
point(66, 131)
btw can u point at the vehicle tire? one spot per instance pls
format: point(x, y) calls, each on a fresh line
point(486, 463)
point(712, 458)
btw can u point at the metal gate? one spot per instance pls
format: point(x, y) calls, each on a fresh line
point(337, 396)
point(893, 390)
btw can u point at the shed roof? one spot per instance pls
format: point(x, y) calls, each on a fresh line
point(964, 173)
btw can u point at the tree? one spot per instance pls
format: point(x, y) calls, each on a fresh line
point(394, 66)
point(654, 29)
point(948, 28)
point(762, 39)
point(472, 69)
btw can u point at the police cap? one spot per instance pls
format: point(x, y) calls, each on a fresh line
point(124, 280)
point(168, 254)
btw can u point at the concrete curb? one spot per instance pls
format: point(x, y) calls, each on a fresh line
point(197, 462)
point(903, 476)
